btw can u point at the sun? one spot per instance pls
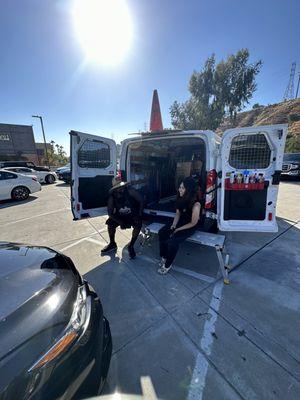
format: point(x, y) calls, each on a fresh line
point(104, 29)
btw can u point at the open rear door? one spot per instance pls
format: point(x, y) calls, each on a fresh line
point(93, 165)
point(250, 166)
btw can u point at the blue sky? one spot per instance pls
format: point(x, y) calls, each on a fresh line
point(43, 70)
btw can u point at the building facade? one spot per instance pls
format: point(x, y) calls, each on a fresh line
point(17, 143)
point(40, 149)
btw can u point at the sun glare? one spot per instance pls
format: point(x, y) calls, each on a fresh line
point(104, 29)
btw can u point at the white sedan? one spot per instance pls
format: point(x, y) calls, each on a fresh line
point(43, 176)
point(16, 186)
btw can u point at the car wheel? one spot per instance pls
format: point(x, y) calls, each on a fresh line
point(50, 179)
point(20, 193)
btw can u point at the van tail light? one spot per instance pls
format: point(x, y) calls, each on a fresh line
point(78, 207)
point(211, 181)
point(270, 216)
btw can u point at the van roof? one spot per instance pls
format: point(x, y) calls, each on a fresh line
point(155, 133)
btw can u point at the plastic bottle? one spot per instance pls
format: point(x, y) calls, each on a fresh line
point(232, 177)
point(261, 178)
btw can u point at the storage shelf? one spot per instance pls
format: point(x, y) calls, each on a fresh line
point(245, 186)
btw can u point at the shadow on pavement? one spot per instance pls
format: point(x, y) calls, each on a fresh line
point(290, 179)
point(13, 203)
point(63, 184)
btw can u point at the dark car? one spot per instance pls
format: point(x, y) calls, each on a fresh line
point(291, 165)
point(65, 175)
point(27, 164)
point(54, 340)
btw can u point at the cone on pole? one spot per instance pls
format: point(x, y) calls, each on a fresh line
point(155, 120)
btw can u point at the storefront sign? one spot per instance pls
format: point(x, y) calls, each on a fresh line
point(4, 137)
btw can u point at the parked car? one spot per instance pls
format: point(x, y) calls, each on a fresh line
point(43, 176)
point(237, 175)
point(27, 164)
point(54, 339)
point(60, 169)
point(65, 175)
point(291, 165)
point(17, 186)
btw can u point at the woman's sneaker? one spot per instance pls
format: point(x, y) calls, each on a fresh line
point(110, 247)
point(163, 270)
point(162, 262)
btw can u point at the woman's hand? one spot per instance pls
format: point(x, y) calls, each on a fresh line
point(173, 227)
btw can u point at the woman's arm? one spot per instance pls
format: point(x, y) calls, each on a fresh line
point(195, 218)
point(176, 219)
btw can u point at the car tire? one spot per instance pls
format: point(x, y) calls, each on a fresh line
point(20, 193)
point(50, 179)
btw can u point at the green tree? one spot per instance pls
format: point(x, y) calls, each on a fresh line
point(292, 144)
point(217, 90)
point(256, 105)
point(57, 155)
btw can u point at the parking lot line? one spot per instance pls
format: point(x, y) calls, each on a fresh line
point(201, 365)
point(184, 271)
point(99, 242)
point(73, 244)
point(35, 216)
point(85, 239)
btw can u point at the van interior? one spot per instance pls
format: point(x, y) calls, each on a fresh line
point(157, 166)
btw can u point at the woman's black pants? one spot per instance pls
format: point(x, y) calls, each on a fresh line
point(169, 243)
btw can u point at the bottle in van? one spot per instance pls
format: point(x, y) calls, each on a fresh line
point(261, 178)
point(246, 176)
point(239, 177)
point(232, 177)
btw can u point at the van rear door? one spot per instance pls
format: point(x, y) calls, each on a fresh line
point(93, 165)
point(250, 167)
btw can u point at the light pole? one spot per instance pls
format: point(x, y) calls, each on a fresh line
point(46, 152)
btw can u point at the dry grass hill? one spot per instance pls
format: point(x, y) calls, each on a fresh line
point(281, 113)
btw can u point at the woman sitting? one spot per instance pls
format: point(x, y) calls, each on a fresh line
point(183, 226)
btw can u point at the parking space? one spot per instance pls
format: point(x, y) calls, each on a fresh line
point(194, 337)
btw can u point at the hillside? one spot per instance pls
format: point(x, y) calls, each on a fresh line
point(281, 113)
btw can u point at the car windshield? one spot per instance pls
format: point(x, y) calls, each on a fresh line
point(291, 157)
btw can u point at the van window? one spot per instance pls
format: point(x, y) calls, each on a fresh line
point(250, 152)
point(94, 154)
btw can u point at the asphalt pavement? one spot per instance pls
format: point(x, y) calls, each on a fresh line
point(193, 336)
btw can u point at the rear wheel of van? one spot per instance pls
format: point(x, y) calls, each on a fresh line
point(50, 179)
point(20, 193)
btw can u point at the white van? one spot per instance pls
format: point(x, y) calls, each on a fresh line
point(238, 174)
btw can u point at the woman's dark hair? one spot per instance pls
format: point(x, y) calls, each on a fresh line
point(190, 195)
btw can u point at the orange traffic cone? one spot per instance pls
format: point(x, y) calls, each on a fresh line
point(155, 120)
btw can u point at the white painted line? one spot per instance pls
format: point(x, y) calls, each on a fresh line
point(85, 239)
point(197, 384)
point(73, 244)
point(194, 274)
point(101, 243)
point(184, 271)
point(35, 216)
point(147, 388)
point(102, 230)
